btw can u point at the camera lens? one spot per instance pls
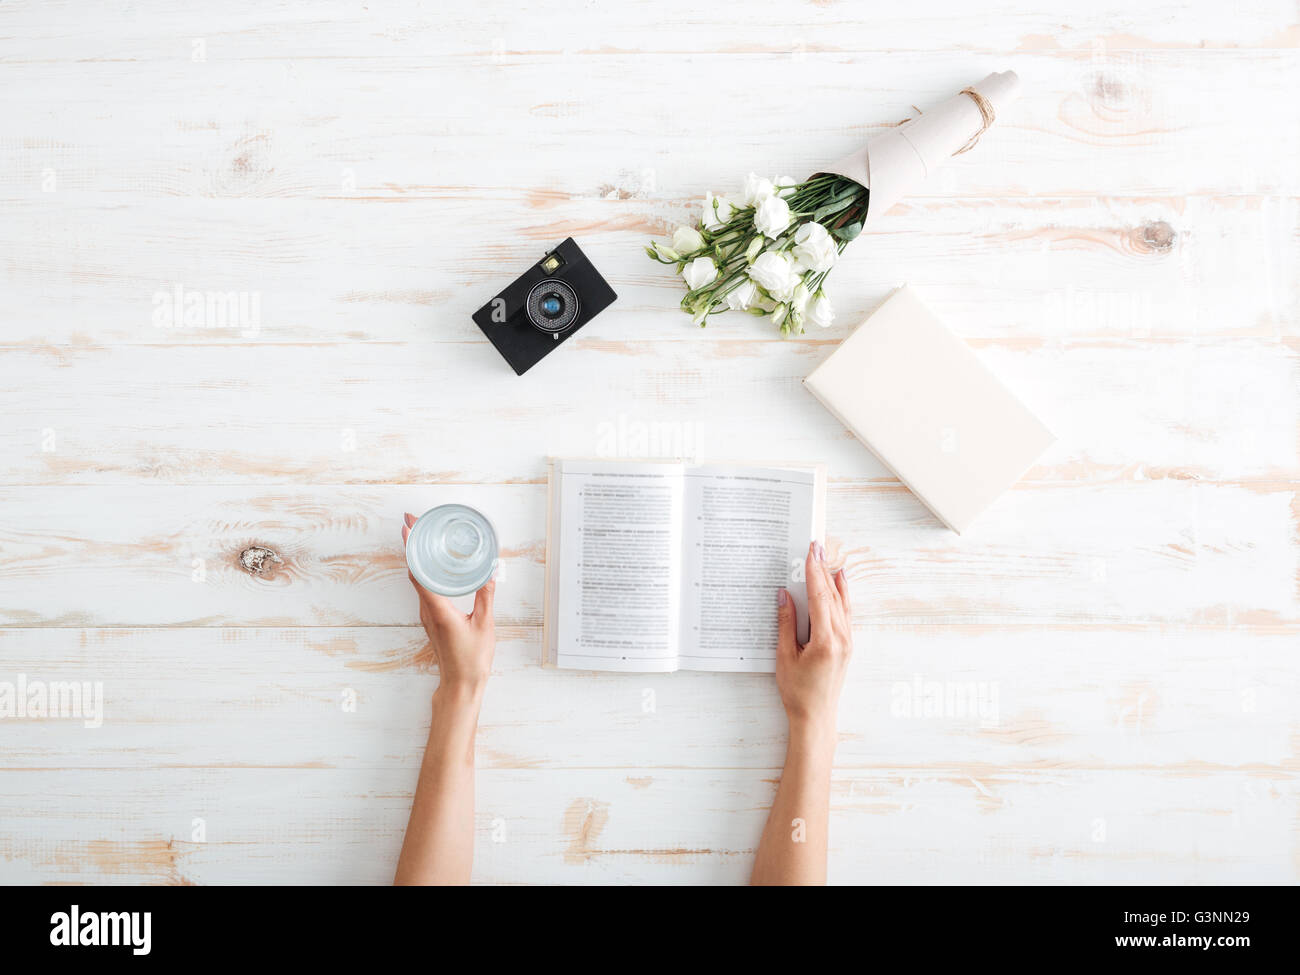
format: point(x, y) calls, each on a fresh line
point(552, 305)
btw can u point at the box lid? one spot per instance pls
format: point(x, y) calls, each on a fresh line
point(929, 409)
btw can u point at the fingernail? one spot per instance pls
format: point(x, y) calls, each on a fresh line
point(782, 597)
point(819, 551)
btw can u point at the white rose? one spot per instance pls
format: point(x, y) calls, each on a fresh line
point(814, 248)
point(687, 240)
point(699, 272)
point(785, 185)
point(820, 313)
point(799, 299)
point(775, 272)
point(798, 304)
point(757, 189)
point(717, 211)
point(772, 217)
point(742, 296)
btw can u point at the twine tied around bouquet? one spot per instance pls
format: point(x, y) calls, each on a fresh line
point(987, 117)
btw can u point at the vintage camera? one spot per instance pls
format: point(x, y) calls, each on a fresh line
point(544, 306)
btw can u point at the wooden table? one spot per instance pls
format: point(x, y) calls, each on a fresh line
point(1121, 249)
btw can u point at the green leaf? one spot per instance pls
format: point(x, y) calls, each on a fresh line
point(835, 207)
point(847, 233)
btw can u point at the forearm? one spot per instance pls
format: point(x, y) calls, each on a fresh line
point(439, 844)
point(793, 846)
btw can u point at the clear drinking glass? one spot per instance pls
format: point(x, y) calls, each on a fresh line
point(452, 550)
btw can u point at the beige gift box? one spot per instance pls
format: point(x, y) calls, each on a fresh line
point(929, 409)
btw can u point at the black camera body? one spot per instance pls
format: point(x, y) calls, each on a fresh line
point(544, 306)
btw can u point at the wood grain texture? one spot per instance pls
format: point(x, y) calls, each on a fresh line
point(980, 697)
point(1097, 684)
point(369, 414)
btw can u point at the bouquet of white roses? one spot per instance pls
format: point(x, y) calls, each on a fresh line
point(769, 252)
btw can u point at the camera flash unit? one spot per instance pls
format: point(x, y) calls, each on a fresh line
point(551, 262)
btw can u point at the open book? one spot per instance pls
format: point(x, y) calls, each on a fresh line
point(661, 566)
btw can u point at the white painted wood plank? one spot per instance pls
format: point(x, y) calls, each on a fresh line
point(1168, 551)
point(618, 826)
point(1158, 123)
point(1121, 408)
point(987, 699)
point(85, 270)
point(155, 30)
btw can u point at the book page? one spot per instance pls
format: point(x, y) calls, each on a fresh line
point(618, 588)
point(746, 535)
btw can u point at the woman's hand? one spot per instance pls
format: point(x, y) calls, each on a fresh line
point(439, 843)
point(810, 677)
point(462, 645)
point(793, 847)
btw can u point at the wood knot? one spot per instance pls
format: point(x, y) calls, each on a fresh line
point(1109, 90)
point(1155, 237)
point(249, 166)
point(257, 560)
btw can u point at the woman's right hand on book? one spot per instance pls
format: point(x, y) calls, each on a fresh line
point(810, 677)
point(462, 645)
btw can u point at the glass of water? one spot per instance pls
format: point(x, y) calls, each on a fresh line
point(452, 550)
